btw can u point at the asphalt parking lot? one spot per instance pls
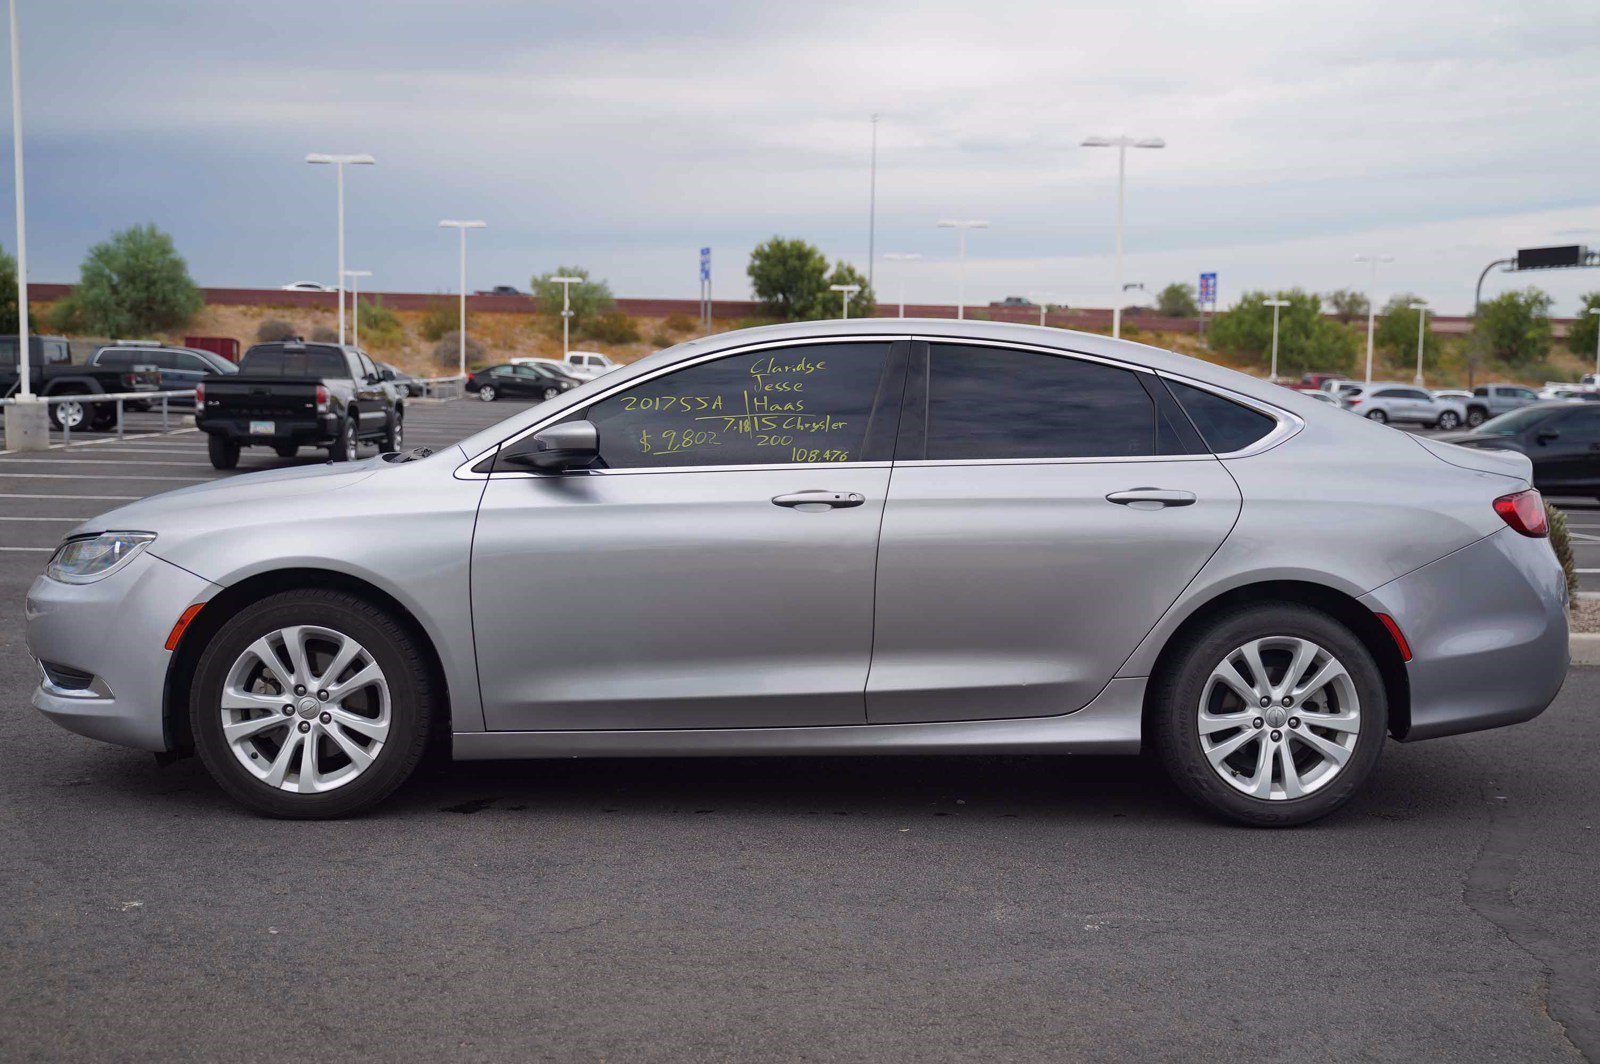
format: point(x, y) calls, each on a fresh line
point(914, 908)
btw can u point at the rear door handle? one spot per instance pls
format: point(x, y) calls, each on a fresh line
point(1151, 498)
point(816, 501)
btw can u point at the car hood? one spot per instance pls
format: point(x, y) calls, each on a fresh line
point(1482, 453)
point(229, 494)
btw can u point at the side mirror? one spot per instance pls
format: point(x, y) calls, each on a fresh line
point(570, 445)
point(386, 374)
point(1546, 435)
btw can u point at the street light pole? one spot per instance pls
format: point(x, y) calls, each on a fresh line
point(1122, 144)
point(872, 205)
point(1372, 303)
point(566, 284)
point(1276, 305)
point(461, 333)
point(845, 291)
point(961, 228)
point(24, 363)
point(1422, 317)
point(901, 256)
point(1592, 310)
point(339, 162)
point(355, 304)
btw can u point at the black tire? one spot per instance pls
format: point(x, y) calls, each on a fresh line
point(1449, 420)
point(285, 450)
point(73, 412)
point(1379, 416)
point(224, 452)
point(486, 393)
point(394, 436)
point(102, 416)
point(345, 447)
point(392, 648)
point(1172, 718)
point(1476, 416)
point(551, 393)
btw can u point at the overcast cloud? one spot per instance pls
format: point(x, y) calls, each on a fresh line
point(623, 136)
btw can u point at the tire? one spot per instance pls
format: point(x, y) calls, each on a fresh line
point(1379, 416)
point(1476, 416)
point(72, 413)
point(551, 393)
point(224, 452)
point(286, 450)
point(388, 720)
point(102, 416)
point(394, 436)
point(1449, 420)
point(1188, 689)
point(486, 393)
point(345, 448)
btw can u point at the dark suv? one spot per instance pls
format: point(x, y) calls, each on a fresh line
point(181, 368)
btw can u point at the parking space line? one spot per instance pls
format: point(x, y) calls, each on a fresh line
point(94, 461)
point(88, 476)
point(44, 518)
point(94, 498)
point(124, 438)
point(31, 550)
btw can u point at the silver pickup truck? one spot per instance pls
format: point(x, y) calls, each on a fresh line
point(1492, 400)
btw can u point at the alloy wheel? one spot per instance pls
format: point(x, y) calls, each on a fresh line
point(1279, 718)
point(305, 709)
point(69, 413)
point(486, 393)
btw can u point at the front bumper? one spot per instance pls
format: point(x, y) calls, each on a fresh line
point(113, 630)
point(1487, 626)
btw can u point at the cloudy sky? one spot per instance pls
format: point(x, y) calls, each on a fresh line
point(623, 136)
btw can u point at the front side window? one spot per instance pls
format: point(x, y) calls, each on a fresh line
point(778, 406)
point(1580, 426)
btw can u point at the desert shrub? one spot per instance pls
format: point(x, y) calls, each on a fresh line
point(680, 324)
point(660, 337)
point(612, 327)
point(273, 330)
point(1561, 542)
point(380, 326)
point(324, 334)
point(447, 351)
point(442, 317)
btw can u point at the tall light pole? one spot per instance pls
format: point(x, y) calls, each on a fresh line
point(1122, 144)
point(461, 334)
point(961, 228)
point(1276, 305)
point(566, 284)
point(1372, 302)
point(846, 291)
point(24, 364)
point(339, 162)
point(1422, 317)
point(901, 256)
point(355, 304)
point(1592, 310)
point(872, 205)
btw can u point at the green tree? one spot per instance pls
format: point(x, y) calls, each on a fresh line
point(1514, 327)
point(830, 304)
point(134, 284)
point(1582, 336)
point(1178, 300)
point(1348, 305)
point(590, 299)
point(788, 277)
point(1307, 341)
point(1397, 331)
point(8, 292)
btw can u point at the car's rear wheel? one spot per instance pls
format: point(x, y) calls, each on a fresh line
point(223, 451)
point(345, 448)
point(1273, 715)
point(486, 393)
point(551, 393)
point(1476, 416)
point(394, 437)
point(1449, 420)
point(69, 413)
point(286, 450)
point(1379, 416)
point(311, 704)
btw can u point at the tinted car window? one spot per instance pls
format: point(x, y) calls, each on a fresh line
point(1480, 392)
point(1391, 393)
point(772, 407)
point(1581, 425)
point(276, 361)
point(995, 403)
point(114, 359)
point(1224, 424)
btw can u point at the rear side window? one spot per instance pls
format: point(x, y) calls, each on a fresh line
point(1224, 424)
point(274, 361)
point(994, 403)
point(114, 359)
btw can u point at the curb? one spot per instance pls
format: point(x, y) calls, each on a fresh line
point(1584, 648)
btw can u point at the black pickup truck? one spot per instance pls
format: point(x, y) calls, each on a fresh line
point(293, 394)
point(52, 372)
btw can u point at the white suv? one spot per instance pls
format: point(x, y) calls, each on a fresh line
point(1404, 403)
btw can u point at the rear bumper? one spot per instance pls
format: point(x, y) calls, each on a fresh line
point(319, 432)
point(1487, 627)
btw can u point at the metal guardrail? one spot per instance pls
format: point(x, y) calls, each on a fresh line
point(85, 399)
point(442, 387)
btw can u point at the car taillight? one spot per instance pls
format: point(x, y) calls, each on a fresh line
point(322, 399)
point(129, 381)
point(1524, 512)
point(1353, 402)
point(199, 394)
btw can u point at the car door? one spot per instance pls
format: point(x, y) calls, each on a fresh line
point(715, 570)
point(374, 401)
point(1565, 449)
point(1046, 509)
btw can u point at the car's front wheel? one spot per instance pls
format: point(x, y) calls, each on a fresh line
point(311, 704)
point(1476, 416)
point(1449, 420)
point(394, 437)
point(486, 393)
point(551, 393)
point(1273, 715)
point(345, 448)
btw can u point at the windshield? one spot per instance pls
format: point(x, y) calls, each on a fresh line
point(1517, 421)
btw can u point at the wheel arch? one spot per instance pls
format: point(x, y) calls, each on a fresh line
point(226, 603)
point(1344, 608)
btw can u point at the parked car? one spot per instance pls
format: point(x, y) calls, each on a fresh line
point(502, 290)
point(1561, 439)
point(587, 365)
point(1492, 400)
point(404, 383)
point(179, 368)
point(1463, 394)
point(307, 286)
point(1325, 397)
point(1403, 403)
point(1049, 543)
point(1559, 391)
point(1312, 382)
point(291, 394)
point(527, 380)
point(52, 372)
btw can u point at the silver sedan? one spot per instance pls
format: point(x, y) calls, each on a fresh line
point(851, 537)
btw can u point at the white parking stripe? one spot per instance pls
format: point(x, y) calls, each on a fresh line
point(43, 518)
point(86, 476)
point(42, 550)
point(93, 460)
point(1586, 571)
point(95, 498)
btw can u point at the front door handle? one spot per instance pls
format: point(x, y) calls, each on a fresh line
point(1151, 498)
point(817, 501)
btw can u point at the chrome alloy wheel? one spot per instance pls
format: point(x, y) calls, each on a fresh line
point(305, 709)
point(1279, 718)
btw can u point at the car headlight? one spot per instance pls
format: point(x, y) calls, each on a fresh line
point(84, 559)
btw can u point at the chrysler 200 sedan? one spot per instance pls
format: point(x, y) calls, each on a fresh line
point(851, 537)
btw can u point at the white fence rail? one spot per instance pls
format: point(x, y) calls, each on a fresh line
point(73, 408)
